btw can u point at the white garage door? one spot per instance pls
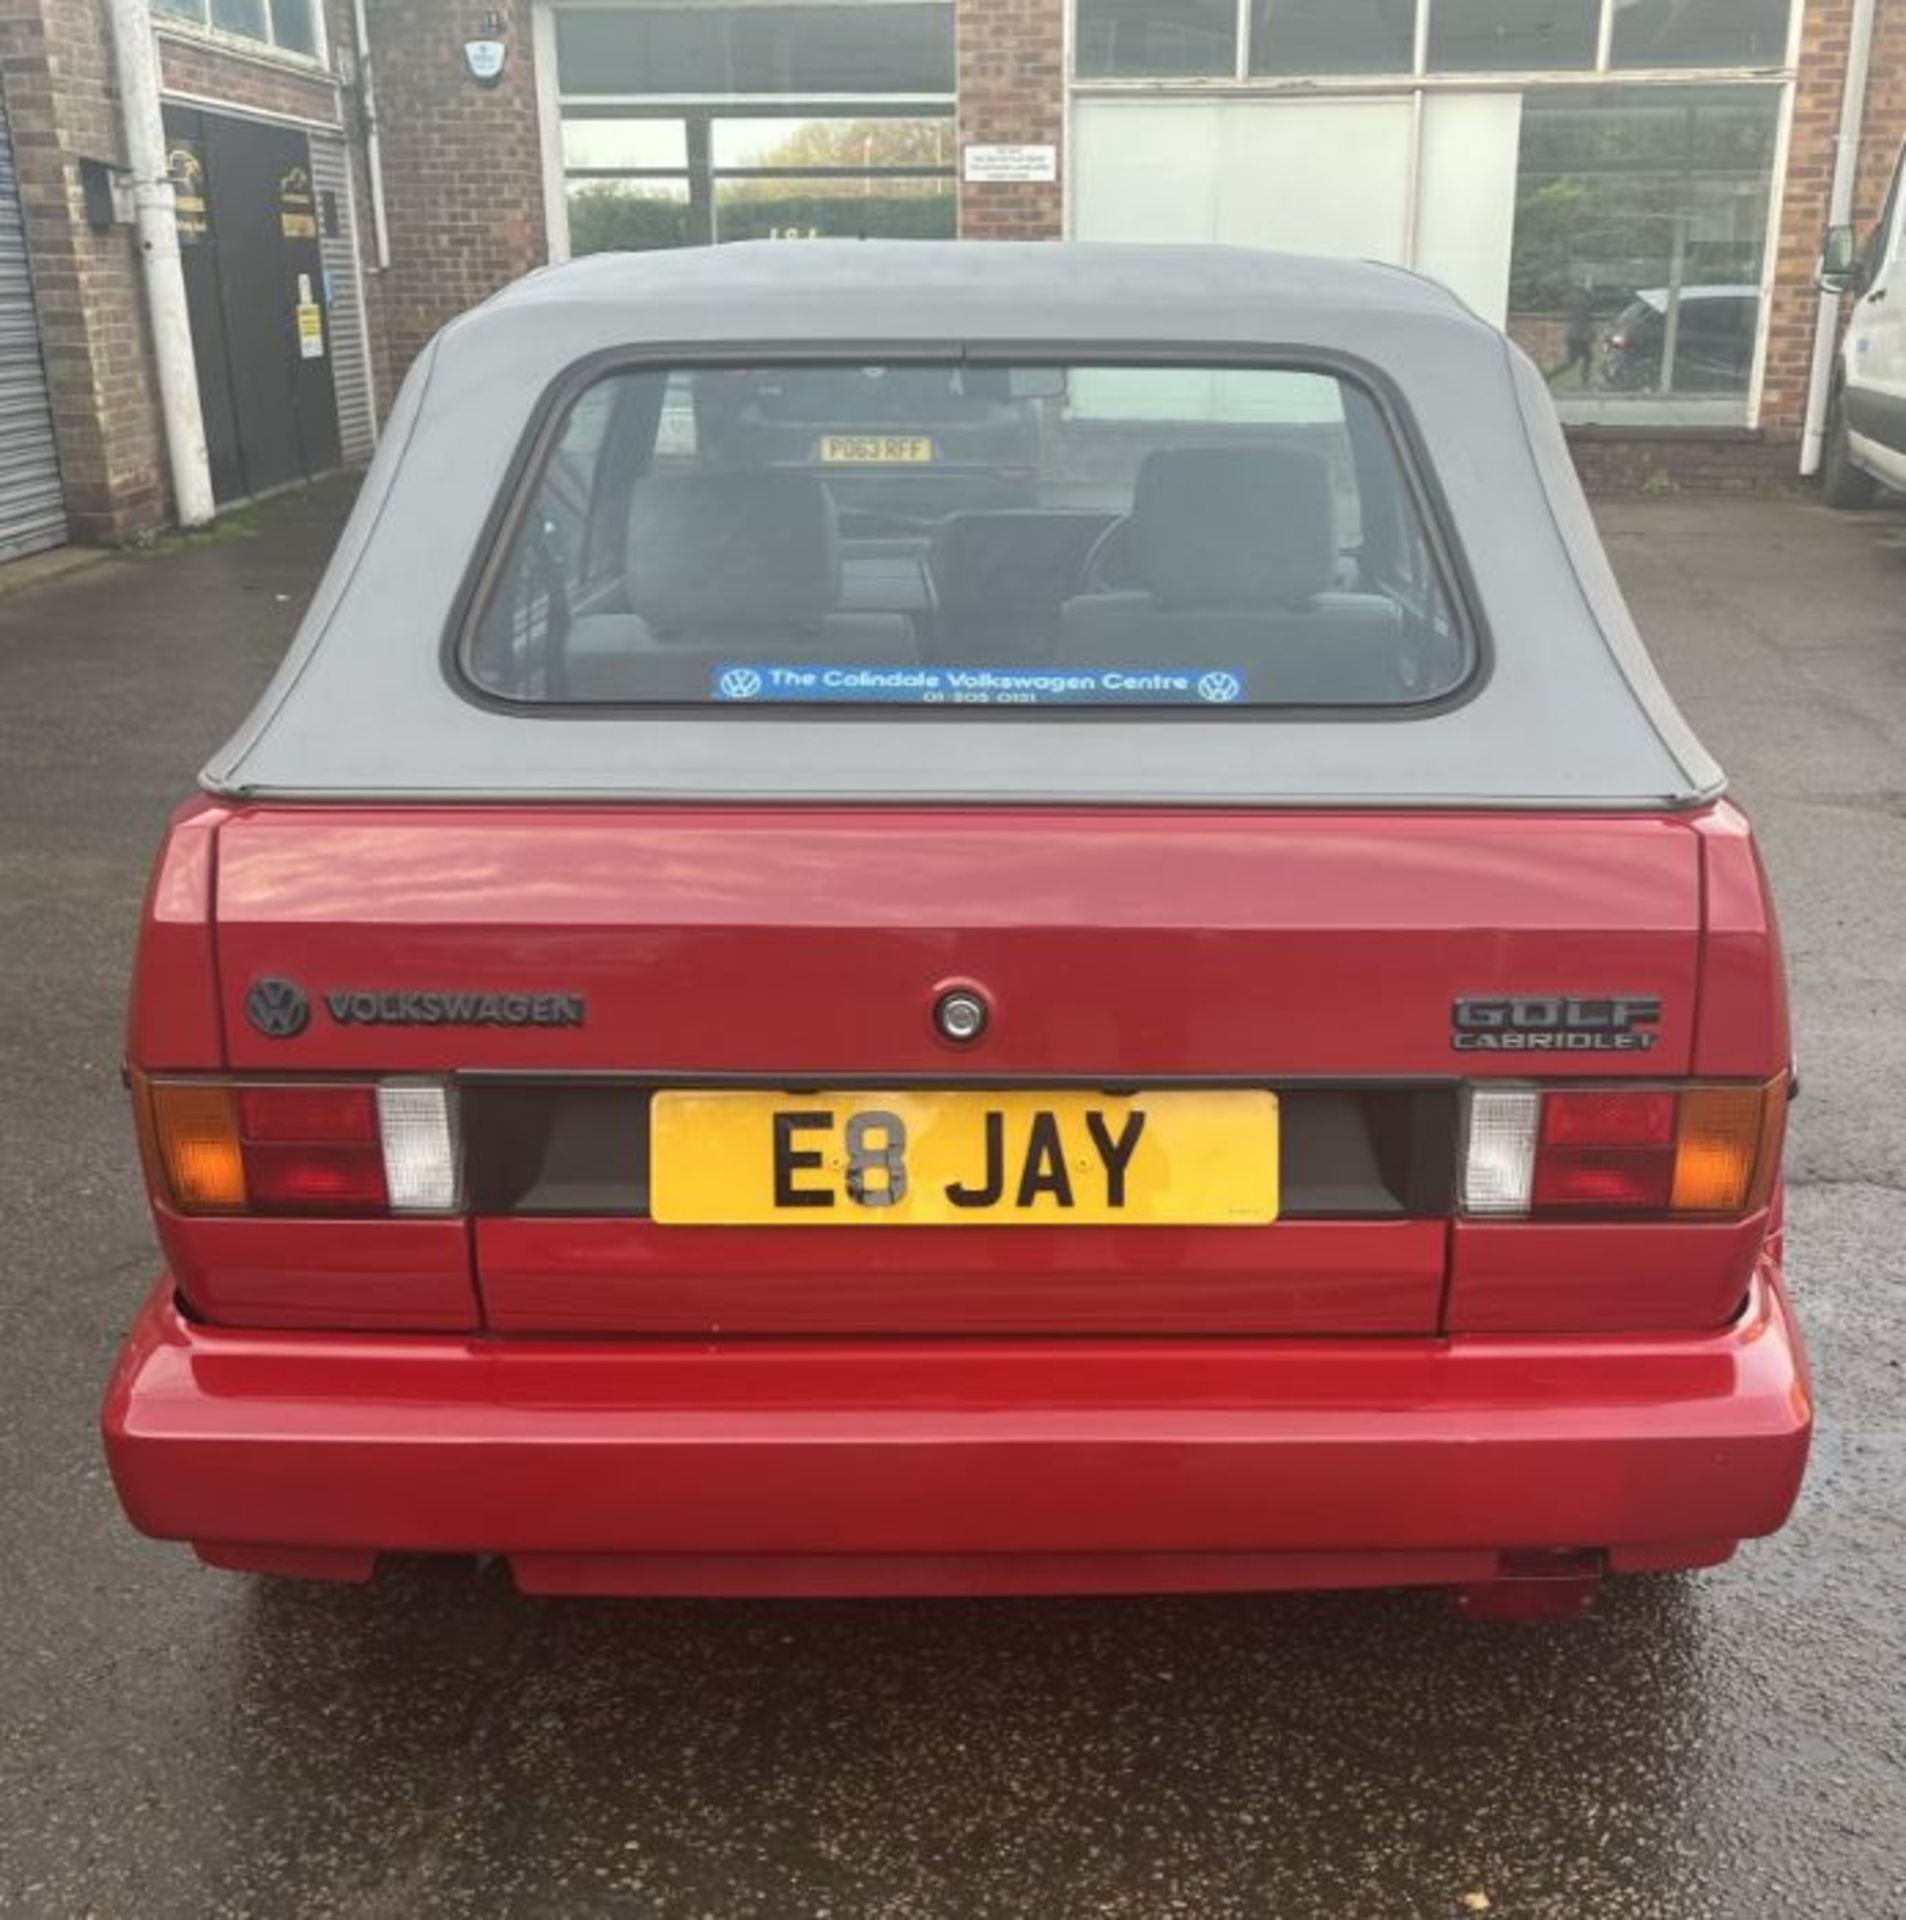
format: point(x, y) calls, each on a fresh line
point(32, 508)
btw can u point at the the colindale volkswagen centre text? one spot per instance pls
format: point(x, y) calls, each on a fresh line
point(356, 1009)
point(983, 686)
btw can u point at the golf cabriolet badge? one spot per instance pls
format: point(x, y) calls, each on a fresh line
point(1554, 1023)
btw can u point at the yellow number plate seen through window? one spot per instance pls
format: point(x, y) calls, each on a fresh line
point(957, 1158)
point(876, 449)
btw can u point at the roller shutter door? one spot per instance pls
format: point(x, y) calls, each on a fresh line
point(350, 364)
point(32, 507)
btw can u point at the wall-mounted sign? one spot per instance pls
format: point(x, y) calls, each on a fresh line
point(297, 211)
point(186, 165)
point(310, 322)
point(989, 164)
point(485, 60)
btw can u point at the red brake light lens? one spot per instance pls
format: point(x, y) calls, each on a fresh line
point(1605, 1151)
point(313, 1177)
point(311, 1114)
point(312, 1149)
point(1591, 1117)
point(1616, 1179)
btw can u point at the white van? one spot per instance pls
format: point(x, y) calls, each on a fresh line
point(1866, 424)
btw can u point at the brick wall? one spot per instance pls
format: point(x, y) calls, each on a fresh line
point(265, 85)
point(462, 165)
point(1885, 126)
point(56, 66)
point(465, 206)
point(1011, 58)
point(1803, 215)
point(1611, 461)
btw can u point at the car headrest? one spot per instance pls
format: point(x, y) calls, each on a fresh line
point(1233, 526)
point(732, 550)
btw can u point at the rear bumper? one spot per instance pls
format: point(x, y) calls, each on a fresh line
point(959, 1466)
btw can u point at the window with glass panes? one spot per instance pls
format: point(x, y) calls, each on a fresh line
point(289, 25)
point(689, 125)
point(1595, 175)
point(1160, 39)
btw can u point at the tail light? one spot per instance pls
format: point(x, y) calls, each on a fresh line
point(1621, 1151)
point(365, 1148)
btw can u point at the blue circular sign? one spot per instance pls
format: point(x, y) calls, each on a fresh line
point(1220, 688)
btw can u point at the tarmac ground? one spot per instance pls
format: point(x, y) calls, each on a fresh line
point(180, 1742)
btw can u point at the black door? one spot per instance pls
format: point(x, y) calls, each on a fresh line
point(254, 285)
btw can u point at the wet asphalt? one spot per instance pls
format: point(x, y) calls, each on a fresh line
point(179, 1742)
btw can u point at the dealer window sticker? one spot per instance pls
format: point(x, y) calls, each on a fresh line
point(774, 683)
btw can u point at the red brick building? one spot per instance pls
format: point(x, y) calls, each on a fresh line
point(1636, 189)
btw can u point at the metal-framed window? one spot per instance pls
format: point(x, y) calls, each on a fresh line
point(687, 122)
point(1602, 177)
point(1246, 40)
point(647, 173)
point(292, 28)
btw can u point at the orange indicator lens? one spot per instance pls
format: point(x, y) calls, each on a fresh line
point(1717, 1149)
point(195, 1129)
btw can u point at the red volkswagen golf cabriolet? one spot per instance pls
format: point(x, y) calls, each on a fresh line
point(737, 1022)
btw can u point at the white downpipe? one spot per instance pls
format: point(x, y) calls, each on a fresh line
point(549, 134)
point(1846, 166)
point(156, 226)
point(373, 140)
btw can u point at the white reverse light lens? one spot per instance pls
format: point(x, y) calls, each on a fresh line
point(420, 1146)
point(1499, 1158)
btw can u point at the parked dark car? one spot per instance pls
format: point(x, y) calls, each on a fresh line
point(886, 438)
point(1713, 348)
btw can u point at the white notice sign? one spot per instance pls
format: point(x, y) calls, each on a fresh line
point(1012, 163)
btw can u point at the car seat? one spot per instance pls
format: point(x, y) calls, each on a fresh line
point(726, 569)
point(1234, 551)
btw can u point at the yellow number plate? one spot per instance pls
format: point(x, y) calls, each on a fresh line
point(876, 449)
point(960, 1159)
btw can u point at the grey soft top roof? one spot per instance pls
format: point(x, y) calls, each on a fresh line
point(1571, 712)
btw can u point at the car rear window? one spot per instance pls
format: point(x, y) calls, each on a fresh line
point(935, 535)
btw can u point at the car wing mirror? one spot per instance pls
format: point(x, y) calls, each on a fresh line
point(1839, 270)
